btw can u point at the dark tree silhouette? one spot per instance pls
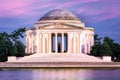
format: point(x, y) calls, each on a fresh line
point(106, 47)
point(11, 45)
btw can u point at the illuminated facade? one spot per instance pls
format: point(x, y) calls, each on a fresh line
point(59, 31)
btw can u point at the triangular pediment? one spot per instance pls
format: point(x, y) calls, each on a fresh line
point(60, 26)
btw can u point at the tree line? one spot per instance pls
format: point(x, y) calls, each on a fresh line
point(11, 45)
point(105, 47)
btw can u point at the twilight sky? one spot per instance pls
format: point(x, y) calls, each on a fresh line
point(102, 15)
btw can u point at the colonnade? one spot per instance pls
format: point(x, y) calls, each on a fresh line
point(59, 43)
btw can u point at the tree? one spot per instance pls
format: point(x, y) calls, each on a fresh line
point(115, 47)
point(106, 50)
point(116, 52)
point(102, 47)
point(106, 47)
point(11, 45)
point(109, 41)
point(18, 45)
point(96, 49)
point(14, 51)
point(97, 39)
point(20, 49)
point(5, 43)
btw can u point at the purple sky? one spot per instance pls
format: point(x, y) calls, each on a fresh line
point(103, 15)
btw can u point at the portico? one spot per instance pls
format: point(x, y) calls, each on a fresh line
point(59, 31)
point(59, 42)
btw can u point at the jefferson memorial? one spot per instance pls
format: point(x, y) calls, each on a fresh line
point(59, 31)
point(59, 36)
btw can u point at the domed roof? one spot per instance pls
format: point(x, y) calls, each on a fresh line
point(59, 14)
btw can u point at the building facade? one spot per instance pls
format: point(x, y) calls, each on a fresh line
point(59, 31)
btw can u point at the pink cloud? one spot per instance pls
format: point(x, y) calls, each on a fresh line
point(87, 1)
point(111, 11)
point(14, 8)
point(25, 8)
point(44, 6)
point(75, 2)
point(108, 15)
point(67, 4)
point(100, 13)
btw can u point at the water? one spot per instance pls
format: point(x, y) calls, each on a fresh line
point(60, 74)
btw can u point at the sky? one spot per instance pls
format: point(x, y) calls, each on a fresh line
point(102, 15)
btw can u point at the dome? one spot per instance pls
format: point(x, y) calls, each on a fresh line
point(59, 14)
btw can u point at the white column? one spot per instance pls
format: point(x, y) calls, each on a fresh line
point(56, 45)
point(77, 43)
point(68, 45)
point(26, 42)
point(40, 43)
point(43, 44)
point(62, 42)
point(89, 43)
point(86, 43)
point(29, 44)
point(72, 44)
point(49, 43)
point(37, 43)
point(80, 40)
point(32, 43)
point(92, 39)
point(74, 38)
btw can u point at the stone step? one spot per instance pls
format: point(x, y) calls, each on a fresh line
point(59, 57)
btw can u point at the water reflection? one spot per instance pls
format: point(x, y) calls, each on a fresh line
point(15, 75)
point(59, 74)
point(76, 74)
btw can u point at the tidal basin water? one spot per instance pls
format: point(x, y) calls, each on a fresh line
point(60, 74)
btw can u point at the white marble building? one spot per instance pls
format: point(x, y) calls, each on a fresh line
point(59, 31)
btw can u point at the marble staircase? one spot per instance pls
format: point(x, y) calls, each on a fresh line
point(59, 57)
